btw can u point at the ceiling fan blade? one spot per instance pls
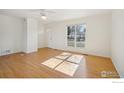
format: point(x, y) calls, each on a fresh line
point(50, 11)
point(43, 10)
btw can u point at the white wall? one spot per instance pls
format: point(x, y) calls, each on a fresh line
point(97, 34)
point(41, 35)
point(11, 32)
point(30, 35)
point(117, 52)
point(17, 35)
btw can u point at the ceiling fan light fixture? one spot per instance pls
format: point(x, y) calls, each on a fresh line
point(43, 17)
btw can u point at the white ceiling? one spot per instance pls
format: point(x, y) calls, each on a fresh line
point(53, 14)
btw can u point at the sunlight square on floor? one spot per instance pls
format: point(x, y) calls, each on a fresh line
point(67, 68)
point(62, 57)
point(75, 58)
point(66, 54)
point(52, 62)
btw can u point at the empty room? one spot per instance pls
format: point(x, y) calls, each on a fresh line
point(61, 43)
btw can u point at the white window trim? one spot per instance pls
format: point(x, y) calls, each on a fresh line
point(75, 46)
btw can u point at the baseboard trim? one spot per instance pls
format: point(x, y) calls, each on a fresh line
point(77, 52)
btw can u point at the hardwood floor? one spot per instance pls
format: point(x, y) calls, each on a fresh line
point(22, 65)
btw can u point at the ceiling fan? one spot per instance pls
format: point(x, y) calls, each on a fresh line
point(43, 13)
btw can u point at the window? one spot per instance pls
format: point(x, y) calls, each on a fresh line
point(76, 35)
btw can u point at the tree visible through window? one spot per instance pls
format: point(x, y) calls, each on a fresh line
point(76, 35)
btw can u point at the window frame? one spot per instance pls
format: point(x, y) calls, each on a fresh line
point(75, 42)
